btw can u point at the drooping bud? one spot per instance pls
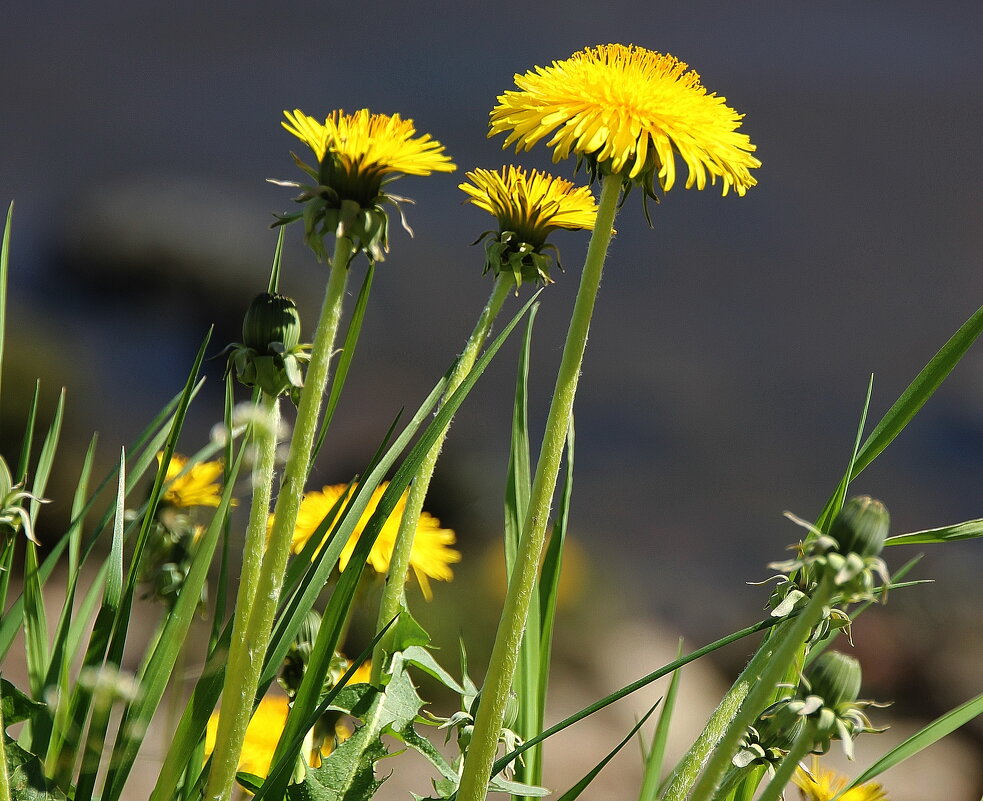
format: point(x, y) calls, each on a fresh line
point(271, 318)
point(835, 678)
point(861, 526)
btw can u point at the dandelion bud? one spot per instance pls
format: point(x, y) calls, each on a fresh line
point(511, 710)
point(269, 319)
point(861, 527)
point(835, 678)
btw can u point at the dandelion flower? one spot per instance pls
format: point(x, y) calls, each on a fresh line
point(262, 735)
point(531, 203)
point(368, 145)
point(820, 784)
point(431, 557)
point(197, 487)
point(629, 111)
point(356, 154)
point(528, 207)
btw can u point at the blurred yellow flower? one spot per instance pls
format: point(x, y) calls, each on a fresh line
point(262, 734)
point(364, 144)
point(532, 204)
point(431, 557)
point(197, 487)
point(629, 111)
point(820, 784)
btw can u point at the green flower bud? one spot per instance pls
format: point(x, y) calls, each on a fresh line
point(835, 678)
point(511, 710)
point(269, 319)
point(861, 527)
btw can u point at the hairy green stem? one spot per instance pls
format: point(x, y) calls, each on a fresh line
point(400, 561)
point(240, 687)
point(801, 746)
point(501, 666)
point(4, 778)
point(756, 683)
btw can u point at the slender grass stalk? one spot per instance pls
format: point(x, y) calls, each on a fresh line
point(240, 687)
point(400, 561)
point(508, 639)
point(756, 684)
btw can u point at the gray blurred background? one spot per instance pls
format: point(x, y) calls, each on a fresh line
point(733, 341)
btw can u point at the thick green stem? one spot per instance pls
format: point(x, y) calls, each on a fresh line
point(501, 667)
point(4, 778)
point(400, 561)
point(241, 686)
point(756, 683)
point(801, 746)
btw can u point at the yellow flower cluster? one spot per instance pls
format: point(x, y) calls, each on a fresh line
point(431, 557)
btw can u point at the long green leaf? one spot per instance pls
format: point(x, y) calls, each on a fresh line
point(35, 617)
point(575, 791)
point(4, 272)
point(338, 607)
point(653, 760)
point(628, 689)
point(157, 667)
point(345, 359)
point(931, 734)
point(969, 530)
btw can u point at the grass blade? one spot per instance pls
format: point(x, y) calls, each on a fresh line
point(969, 530)
point(628, 689)
point(345, 358)
point(4, 272)
point(653, 760)
point(575, 791)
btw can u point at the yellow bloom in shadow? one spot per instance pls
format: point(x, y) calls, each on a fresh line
point(629, 111)
point(820, 784)
point(197, 487)
point(532, 204)
point(262, 735)
point(431, 557)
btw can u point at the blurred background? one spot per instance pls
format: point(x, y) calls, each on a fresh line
point(730, 354)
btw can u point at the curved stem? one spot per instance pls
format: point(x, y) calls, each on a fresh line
point(801, 746)
point(399, 563)
point(758, 684)
point(240, 687)
point(501, 667)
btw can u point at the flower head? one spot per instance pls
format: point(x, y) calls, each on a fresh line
point(431, 557)
point(528, 206)
point(356, 154)
point(196, 487)
point(820, 784)
point(629, 111)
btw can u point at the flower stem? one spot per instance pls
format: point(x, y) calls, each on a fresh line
point(241, 684)
point(4, 778)
point(501, 667)
point(756, 684)
point(801, 746)
point(400, 561)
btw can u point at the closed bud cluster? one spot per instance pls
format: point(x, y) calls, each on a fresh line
point(270, 354)
point(861, 527)
point(835, 678)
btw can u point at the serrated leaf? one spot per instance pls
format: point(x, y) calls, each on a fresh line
point(26, 776)
point(16, 706)
point(421, 658)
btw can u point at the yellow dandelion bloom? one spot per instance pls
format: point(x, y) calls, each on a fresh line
point(197, 487)
point(820, 784)
point(531, 203)
point(431, 557)
point(629, 111)
point(365, 144)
